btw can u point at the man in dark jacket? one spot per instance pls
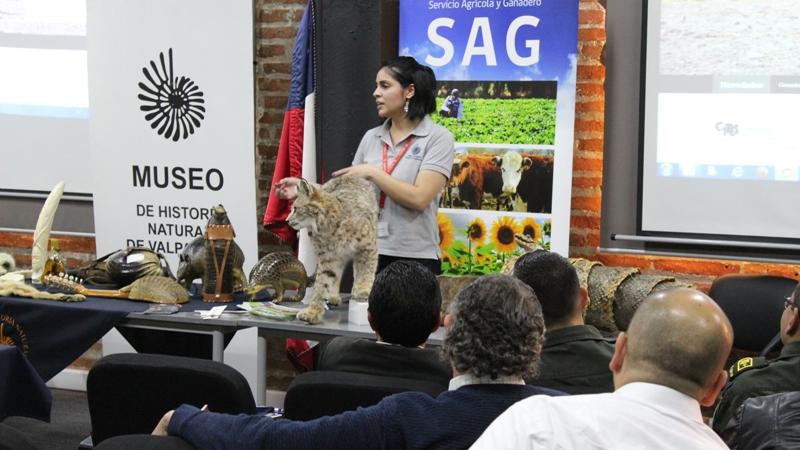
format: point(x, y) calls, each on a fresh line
point(769, 421)
point(404, 309)
point(754, 377)
point(494, 336)
point(575, 356)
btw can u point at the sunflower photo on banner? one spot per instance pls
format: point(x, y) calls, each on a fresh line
point(482, 243)
point(506, 74)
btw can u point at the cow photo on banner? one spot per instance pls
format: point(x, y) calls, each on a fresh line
point(505, 75)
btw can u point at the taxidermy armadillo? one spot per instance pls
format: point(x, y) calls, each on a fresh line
point(155, 289)
point(279, 270)
point(194, 257)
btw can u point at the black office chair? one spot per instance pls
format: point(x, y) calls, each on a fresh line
point(13, 439)
point(144, 442)
point(753, 304)
point(128, 393)
point(324, 393)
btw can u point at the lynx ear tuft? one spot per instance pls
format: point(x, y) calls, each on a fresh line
point(305, 187)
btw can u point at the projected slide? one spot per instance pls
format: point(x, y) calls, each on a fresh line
point(44, 94)
point(726, 84)
point(47, 79)
point(720, 149)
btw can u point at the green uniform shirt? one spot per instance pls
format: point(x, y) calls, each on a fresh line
point(779, 375)
point(575, 360)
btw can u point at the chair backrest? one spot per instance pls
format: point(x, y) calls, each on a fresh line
point(323, 393)
point(753, 304)
point(129, 392)
point(13, 439)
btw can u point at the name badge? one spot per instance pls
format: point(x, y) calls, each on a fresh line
point(383, 229)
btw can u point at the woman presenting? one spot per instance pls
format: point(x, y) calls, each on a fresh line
point(409, 158)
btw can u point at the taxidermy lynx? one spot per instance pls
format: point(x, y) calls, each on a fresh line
point(341, 217)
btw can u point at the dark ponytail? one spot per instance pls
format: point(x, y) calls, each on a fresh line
point(406, 70)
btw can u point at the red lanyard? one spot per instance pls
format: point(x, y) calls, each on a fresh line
point(389, 169)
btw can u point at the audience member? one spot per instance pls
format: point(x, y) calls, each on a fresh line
point(754, 377)
point(668, 363)
point(575, 356)
point(765, 422)
point(404, 309)
point(494, 331)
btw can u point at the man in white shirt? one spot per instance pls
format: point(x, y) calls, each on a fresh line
point(668, 363)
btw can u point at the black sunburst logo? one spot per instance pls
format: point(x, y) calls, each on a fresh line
point(173, 105)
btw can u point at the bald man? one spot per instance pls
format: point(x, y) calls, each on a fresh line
point(668, 363)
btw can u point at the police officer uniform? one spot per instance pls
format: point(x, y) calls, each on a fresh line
point(575, 360)
point(754, 377)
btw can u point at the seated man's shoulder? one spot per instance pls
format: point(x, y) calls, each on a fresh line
point(746, 368)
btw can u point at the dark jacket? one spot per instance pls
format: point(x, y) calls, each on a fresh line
point(767, 422)
point(360, 355)
point(575, 360)
point(409, 420)
point(782, 374)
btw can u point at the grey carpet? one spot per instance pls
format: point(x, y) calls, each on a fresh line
point(69, 422)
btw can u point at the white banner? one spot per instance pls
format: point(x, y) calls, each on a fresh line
point(172, 121)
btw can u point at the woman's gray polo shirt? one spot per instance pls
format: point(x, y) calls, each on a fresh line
point(412, 234)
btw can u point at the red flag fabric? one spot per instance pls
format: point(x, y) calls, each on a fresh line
point(289, 160)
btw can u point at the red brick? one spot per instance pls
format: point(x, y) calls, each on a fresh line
point(588, 203)
point(625, 260)
point(277, 32)
point(587, 182)
point(590, 88)
point(587, 165)
point(590, 106)
point(273, 68)
point(590, 145)
point(591, 50)
point(697, 266)
point(592, 34)
point(585, 222)
point(589, 125)
point(273, 15)
point(275, 101)
point(591, 17)
point(272, 84)
point(268, 151)
point(16, 240)
point(591, 72)
point(75, 243)
point(782, 270)
point(590, 240)
point(266, 51)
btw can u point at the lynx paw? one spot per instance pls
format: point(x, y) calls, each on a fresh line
point(312, 314)
point(335, 301)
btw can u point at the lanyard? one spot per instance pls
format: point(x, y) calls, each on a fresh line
point(389, 169)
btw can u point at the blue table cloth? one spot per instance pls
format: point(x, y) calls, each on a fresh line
point(22, 391)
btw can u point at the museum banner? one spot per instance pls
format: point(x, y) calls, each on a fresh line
point(505, 73)
point(172, 121)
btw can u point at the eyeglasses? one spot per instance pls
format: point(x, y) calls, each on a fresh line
point(789, 302)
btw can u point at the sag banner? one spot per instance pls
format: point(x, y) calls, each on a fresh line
point(506, 73)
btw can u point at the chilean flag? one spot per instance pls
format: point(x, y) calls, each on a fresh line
point(297, 149)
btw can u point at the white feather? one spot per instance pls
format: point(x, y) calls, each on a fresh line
point(42, 234)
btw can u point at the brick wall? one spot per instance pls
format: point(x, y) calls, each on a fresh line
point(275, 26)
